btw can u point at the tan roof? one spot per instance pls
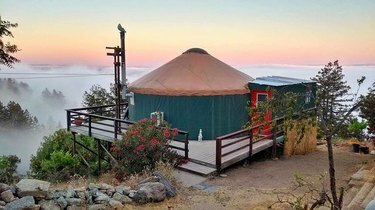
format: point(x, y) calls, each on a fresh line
point(194, 73)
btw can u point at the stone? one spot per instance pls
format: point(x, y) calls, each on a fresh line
point(170, 189)
point(102, 198)
point(32, 187)
point(371, 205)
point(62, 202)
point(13, 188)
point(132, 193)
point(34, 207)
point(81, 195)
point(97, 207)
point(115, 204)
point(122, 198)
point(4, 187)
point(58, 194)
point(150, 192)
point(70, 193)
point(358, 176)
point(372, 152)
point(2, 203)
point(76, 208)
point(105, 186)
point(22, 203)
point(149, 179)
point(7, 196)
point(48, 205)
point(75, 202)
point(92, 186)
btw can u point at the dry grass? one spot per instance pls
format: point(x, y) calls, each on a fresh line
point(294, 146)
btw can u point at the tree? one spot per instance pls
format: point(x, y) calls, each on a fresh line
point(334, 106)
point(13, 116)
point(367, 108)
point(97, 96)
point(7, 48)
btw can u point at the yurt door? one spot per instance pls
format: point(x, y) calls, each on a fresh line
point(261, 96)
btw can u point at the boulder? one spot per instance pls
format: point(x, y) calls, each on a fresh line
point(62, 202)
point(92, 186)
point(123, 189)
point(97, 207)
point(76, 208)
point(122, 198)
point(70, 193)
point(150, 192)
point(105, 186)
point(149, 179)
point(32, 187)
point(7, 196)
point(2, 203)
point(75, 202)
point(115, 204)
point(170, 189)
point(22, 203)
point(101, 198)
point(4, 187)
point(48, 205)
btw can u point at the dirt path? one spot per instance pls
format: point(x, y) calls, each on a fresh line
point(251, 186)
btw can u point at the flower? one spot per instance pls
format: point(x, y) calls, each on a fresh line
point(115, 149)
point(135, 132)
point(174, 131)
point(166, 133)
point(140, 147)
point(154, 142)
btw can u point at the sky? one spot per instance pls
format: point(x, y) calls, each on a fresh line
point(240, 32)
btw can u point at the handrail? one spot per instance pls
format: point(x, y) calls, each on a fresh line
point(96, 107)
point(243, 135)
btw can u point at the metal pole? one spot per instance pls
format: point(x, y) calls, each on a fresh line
point(123, 66)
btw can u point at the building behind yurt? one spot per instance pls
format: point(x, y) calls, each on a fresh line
point(194, 91)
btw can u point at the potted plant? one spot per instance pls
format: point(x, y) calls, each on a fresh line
point(78, 120)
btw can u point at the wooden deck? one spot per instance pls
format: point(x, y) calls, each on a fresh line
point(202, 155)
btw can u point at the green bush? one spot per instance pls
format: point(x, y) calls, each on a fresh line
point(54, 159)
point(356, 128)
point(8, 167)
point(143, 145)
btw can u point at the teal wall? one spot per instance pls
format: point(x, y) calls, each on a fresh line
point(215, 115)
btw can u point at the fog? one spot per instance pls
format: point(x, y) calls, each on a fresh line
point(66, 80)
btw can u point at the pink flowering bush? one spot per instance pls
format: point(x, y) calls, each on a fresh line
point(143, 145)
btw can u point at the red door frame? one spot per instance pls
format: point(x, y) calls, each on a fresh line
point(254, 101)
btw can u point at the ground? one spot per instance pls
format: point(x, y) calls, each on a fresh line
point(253, 186)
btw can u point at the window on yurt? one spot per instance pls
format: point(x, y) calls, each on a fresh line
point(261, 97)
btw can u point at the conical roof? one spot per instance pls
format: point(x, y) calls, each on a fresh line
point(194, 73)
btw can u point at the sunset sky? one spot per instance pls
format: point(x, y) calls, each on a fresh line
point(241, 32)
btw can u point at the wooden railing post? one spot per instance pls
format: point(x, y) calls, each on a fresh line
point(187, 145)
point(274, 131)
point(90, 132)
point(99, 157)
point(68, 120)
point(218, 154)
point(115, 127)
point(250, 143)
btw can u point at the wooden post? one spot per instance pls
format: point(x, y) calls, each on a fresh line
point(68, 120)
point(90, 132)
point(99, 157)
point(187, 145)
point(250, 144)
point(74, 148)
point(274, 143)
point(218, 154)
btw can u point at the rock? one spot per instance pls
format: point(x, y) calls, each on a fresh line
point(48, 205)
point(372, 152)
point(81, 195)
point(58, 194)
point(170, 189)
point(358, 176)
point(115, 204)
point(97, 207)
point(149, 179)
point(122, 198)
point(34, 207)
point(355, 183)
point(132, 193)
point(102, 198)
point(76, 208)
point(62, 202)
point(92, 186)
point(75, 202)
point(2, 203)
point(32, 187)
point(122, 189)
point(4, 187)
point(150, 192)
point(371, 205)
point(70, 193)
point(22, 203)
point(7, 196)
point(223, 175)
point(105, 186)
point(13, 188)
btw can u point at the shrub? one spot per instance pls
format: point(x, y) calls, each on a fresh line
point(8, 167)
point(356, 128)
point(54, 160)
point(143, 145)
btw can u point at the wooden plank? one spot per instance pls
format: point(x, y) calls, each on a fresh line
point(197, 168)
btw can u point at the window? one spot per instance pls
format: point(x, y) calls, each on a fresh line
point(261, 97)
point(308, 97)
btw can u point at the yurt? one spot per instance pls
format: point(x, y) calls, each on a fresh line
point(194, 91)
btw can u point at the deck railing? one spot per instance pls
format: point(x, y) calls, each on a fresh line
point(101, 119)
point(250, 136)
